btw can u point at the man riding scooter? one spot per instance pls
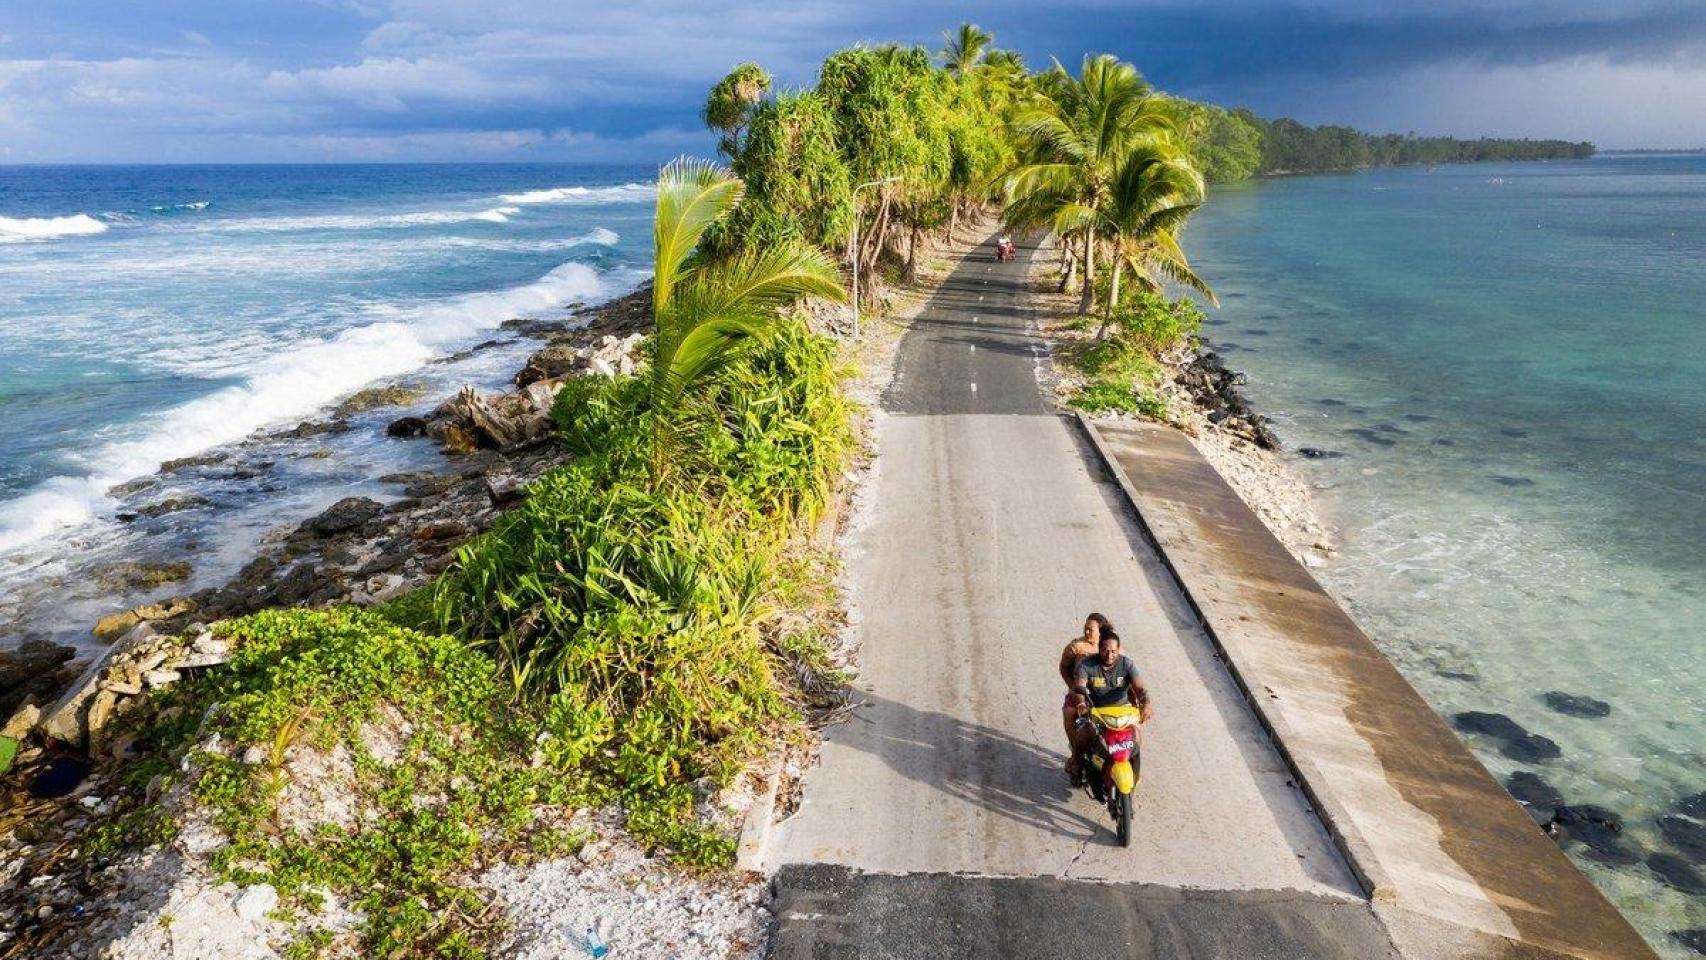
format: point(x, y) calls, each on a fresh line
point(1113, 705)
point(1106, 679)
point(1004, 249)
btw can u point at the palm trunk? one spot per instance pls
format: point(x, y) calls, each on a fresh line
point(874, 243)
point(912, 255)
point(1113, 300)
point(953, 220)
point(1068, 266)
point(1089, 292)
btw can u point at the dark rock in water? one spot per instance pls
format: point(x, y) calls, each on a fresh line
point(406, 427)
point(1513, 481)
point(1419, 418)
point(1316, 453)
point(316, 428)
point(129, 487)
point(27, 670)
point(1516, 432)
point(1458, 675)
point(1531, 749)
point(61, 776)
point(184, 463)
point(1532, 789)
point(1677, 872)
point(1313, 341)
point(1576, 705)
point(1693, 806)
point(1444, 442)
point(1693, 938)
point(173, 505)
point(140, 576)
point(1597, 828)
point(1490, 724)
point(1687, 836)
point(1256, 332)
point(1370, 436)
point(372, 398)
point(1330, 402)
point(1392, 428)
point(346, 514)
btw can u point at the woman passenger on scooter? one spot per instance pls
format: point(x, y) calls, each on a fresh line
point(1079, 647)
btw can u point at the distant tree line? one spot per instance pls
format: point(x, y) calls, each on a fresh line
point(1232, 145)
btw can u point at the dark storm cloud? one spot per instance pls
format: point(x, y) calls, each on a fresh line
point(288, 79)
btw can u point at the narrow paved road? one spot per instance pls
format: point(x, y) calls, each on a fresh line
point(992, 536)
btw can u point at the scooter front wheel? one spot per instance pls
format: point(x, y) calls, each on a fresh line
point(1124, 816)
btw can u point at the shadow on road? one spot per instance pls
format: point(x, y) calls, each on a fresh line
point(1005, 776)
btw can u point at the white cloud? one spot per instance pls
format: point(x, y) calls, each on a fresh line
point(198, 38)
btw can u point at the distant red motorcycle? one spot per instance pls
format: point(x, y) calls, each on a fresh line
point(1005, 251)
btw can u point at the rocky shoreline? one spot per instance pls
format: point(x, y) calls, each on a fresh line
point(360, 550)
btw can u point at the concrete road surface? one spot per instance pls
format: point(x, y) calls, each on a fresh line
point(991, 537)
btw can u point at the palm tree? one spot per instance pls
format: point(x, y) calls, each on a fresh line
point(705, 310)
point(965, 49)
point(1077, 137)
point(1156, 191)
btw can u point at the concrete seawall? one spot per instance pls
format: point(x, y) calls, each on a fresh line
point(1451, 864)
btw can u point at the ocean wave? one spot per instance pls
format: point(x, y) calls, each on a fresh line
point(170, 208)
point(22, 229)
point(423, 218)
point(626, 193)
point(293, 383)
point(498, 215)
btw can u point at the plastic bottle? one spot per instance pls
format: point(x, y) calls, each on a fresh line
point(590, 942)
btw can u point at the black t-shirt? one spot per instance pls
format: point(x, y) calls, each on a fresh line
point(1107, 687)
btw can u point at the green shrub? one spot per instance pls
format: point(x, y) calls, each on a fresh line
point(641, 612)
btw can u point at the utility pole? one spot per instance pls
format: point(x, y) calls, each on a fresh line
point(873, 183)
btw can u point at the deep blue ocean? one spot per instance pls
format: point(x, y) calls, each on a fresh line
point(1504, 369)
point(153, 313)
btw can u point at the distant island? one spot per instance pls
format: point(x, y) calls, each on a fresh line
point(1233, 145)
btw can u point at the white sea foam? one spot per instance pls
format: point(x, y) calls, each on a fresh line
point(294, 383)
point(626, 193)
point(173, 207)
point(19, 230)
point(597, 237)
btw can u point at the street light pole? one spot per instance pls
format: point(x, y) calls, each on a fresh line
point(873, 183)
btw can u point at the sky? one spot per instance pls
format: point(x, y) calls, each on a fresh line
point(133, 81)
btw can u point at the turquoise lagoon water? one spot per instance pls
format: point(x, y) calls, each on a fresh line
point(153, 313)
point(1506, 367)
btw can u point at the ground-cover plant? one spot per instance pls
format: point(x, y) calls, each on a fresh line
point(422, 766)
